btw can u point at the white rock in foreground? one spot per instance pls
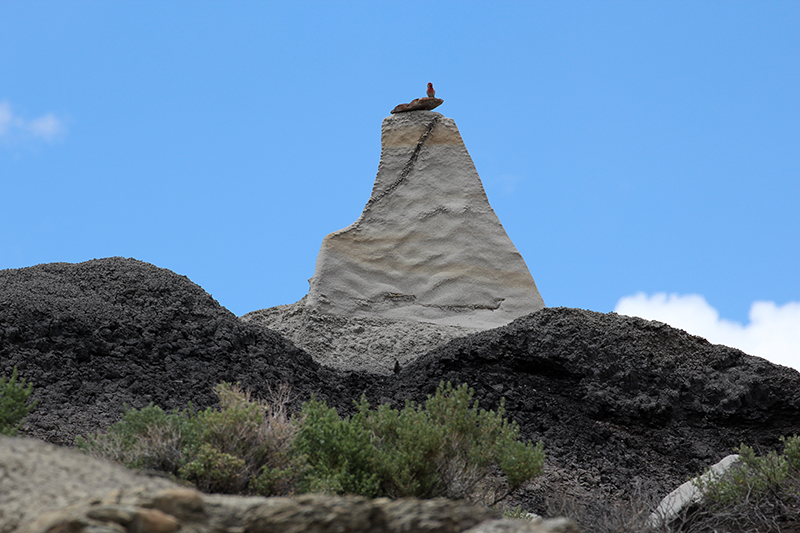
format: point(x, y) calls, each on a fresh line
point(687, 494)
point(428, 246)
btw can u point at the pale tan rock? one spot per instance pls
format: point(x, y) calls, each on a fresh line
point(36, 477)
point(99, 497)
point(368, 344)
point(120, 514)
point(153, 521)
point(315, 514)
point(505, 525)
point(433, 516)
point(428, 246)
point(61, 521)
point(182, 503)
point(688, 493)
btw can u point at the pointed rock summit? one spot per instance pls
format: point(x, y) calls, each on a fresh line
point(428, 246)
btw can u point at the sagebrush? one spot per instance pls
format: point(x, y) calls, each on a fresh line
point(447, 447)
point(758, 493)
point(224, 449)
point(14, 405)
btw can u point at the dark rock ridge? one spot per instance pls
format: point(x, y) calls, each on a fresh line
point(616, 400)
point(94, 335)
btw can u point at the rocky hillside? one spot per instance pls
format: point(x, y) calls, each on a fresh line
point(95, 335)
point(618, 401)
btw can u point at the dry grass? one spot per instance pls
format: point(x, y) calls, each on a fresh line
point(598, 514)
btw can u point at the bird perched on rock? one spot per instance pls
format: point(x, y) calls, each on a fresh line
point(431, 92)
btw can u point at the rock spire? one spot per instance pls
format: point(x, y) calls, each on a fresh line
point(428, 246)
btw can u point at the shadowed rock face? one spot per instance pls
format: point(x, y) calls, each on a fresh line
point(428, 246)
point(616, 400)
point(94, 335)
point(47, 488)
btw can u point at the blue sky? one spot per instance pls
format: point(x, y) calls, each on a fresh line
point(629, 148)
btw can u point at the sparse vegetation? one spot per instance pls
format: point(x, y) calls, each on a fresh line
point(759, 493)
point(446, 447)
point(224, 449)
point(14, 406)
point(598, 514)
point(518, 513)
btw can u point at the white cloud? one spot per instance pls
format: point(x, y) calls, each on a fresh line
point(13, 127)
point(46, 127)
point(6, 118)
point(772, 333)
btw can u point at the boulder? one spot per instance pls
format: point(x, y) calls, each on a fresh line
point(428, 246)
point(687, 494)
point(37, 478)
point(46, 489)
point(419, 104)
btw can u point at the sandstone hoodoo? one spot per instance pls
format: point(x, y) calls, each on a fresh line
point(428, 246)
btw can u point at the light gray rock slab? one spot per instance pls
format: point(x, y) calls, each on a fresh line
point(36, 477)
point(688, 493)
point(505, 525)
point(428, 246)
point(367, 344)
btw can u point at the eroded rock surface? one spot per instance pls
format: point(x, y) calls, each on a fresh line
point(44, 488)
point(374, 345)
point(36, 477)
point(92, 336)
point(428, 246)
point(619, 402)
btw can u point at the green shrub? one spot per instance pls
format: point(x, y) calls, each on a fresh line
point(257, 433)
point(219, 449)
point(757, 492)
point(753, 476)
point(214, 471)
point(446, 447)
point(791, 450)
point(147, 438)
point(14, 406)
point(518, 513)
point(340, 456)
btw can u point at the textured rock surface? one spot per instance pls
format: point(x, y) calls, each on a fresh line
point(36, 477)
point(618, 401)
point(374, 345)
point(688, 493)
point(419, 104)
point(44, 488)
point(553, 525)
point(428, 245)
point(94, 335)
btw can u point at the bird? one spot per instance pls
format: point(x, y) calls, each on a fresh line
point(431, 92)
